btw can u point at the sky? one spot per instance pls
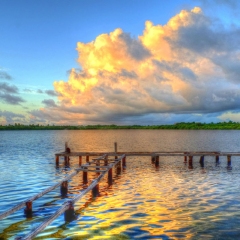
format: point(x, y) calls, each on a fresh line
point(124, 62)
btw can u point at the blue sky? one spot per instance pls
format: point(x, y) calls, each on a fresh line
point(38, 44)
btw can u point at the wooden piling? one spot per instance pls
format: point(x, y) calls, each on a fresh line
point(80, 160)
point(65, 157)
point(115, 149)
point(185, 157)
point(69, 214)
point(153, 159)
point(98, 164)
point(95, 191)
point(64, 188)
point(110, 177)
point(28, 209)
point(190, 162)
point(87, 158)
point(156, 161)
point(124, 162)
point(201, 161)
point(85, 177)
point(118, 168)
point(106, 160)
point(217, 159)
point(57, 160)
point(228, 160)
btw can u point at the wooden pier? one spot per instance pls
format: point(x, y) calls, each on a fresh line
point(101, 165)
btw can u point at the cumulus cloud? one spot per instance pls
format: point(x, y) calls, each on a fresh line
point(188, 66)
point(8, 94)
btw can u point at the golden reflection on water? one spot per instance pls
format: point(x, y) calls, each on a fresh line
point(137, 200)
point(170, 202)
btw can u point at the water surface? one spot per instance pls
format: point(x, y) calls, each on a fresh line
point(174, 201)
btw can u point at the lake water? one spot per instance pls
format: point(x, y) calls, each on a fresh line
point(171, 202)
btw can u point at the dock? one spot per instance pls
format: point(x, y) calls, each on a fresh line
point(101, 163)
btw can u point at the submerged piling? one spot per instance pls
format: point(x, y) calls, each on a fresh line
point(124, 162)
point(156, 161)
point(201, 161)
point(95, 191)
point(153, 159)
point(85, 177)
point(110, 177)
point(80, 161)
point(185, 157)
point(190, 162)
point(229, 160)
point(28, 209)
point(57, 160)
point(115, 149)
point(64, 188)
point(69, 214)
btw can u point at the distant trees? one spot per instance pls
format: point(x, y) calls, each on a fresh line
point(181, 125)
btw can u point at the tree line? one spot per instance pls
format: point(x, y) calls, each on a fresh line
point(181, 125)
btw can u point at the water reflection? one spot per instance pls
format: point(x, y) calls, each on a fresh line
point(176, 200)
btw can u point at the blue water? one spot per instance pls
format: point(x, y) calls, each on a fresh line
point(172, 202)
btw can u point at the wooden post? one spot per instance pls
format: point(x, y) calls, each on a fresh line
point(156, 161)
point(98, 164)
point(95, 191)
point(69, 214)
point(217, 159)
point(106, 160)
point(80, 160)
point(85, 177)
point(119, 168)
point(65, 157)
point(28, 209)
point(201, 161)
point(57, 160)
point(153, 158)
point(64, 188)
point(110, 178)
point(229, 160)
point(87, 158)
point(185, 158)
point(190, 162)
point(115, 149)
point(124, 162)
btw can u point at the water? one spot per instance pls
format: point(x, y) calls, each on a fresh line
point(172, 202)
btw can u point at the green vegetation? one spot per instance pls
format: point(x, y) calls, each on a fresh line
point(181, 125)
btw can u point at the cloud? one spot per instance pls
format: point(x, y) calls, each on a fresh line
point(8, 94)
point(10, 117)
point(51, 93)
point(6, 88)
point(49, 103)
point(188, 66)
point(4, 75)
point(39, 91)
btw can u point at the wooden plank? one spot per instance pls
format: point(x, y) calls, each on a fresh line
point(159, 153)
point(91, 170)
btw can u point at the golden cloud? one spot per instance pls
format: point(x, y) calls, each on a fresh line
point(163, 70)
